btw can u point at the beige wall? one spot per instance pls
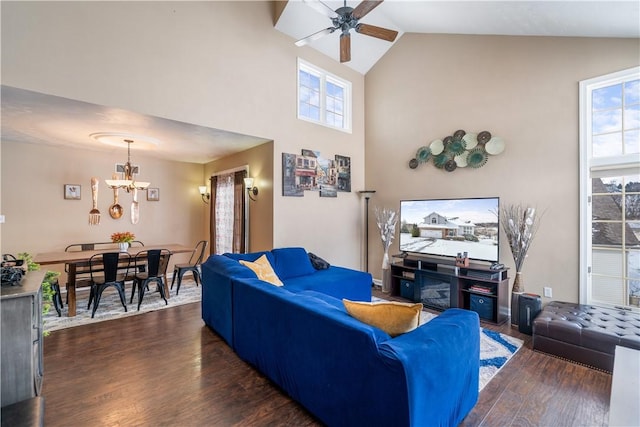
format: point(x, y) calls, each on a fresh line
point(524, 89)
point(39, 219)
point(259, 161)
point(216, 64)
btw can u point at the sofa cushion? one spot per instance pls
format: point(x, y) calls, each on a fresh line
point(317, 262)
point(263, 270)
point(395, 318)
point(291, 262)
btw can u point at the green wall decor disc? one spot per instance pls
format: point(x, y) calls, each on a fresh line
point(440, 160)
point(423, 154)
point(477, 157)
point(456, 146)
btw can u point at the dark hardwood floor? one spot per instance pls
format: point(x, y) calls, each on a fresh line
point(166, 368)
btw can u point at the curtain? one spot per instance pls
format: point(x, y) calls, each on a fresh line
point(212, 215)
point(239, 223)
point(228, 227)
point(224, 210)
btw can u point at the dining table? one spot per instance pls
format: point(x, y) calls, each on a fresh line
point(73, 259)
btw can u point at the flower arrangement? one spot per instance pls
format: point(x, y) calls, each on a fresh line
point(520, 224)
point(124, 237)
point(386, 220)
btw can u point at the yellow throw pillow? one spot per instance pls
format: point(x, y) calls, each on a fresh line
point(263, 270)
point(395, 318)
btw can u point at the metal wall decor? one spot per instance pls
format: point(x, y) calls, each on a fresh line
point(459, 150)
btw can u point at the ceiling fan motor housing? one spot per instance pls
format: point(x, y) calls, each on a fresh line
point(345, 20)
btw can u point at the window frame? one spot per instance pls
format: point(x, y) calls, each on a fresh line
point(325, 77)
point(592, 167)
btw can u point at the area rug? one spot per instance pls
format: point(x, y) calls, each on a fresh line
point(111, 308)
point(495, 349)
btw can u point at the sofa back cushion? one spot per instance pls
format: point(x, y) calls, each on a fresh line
point(251, 257)
point(291, 262)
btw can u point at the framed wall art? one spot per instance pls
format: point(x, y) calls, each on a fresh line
point(310, 171)
point(72, 191)
point(153, 194)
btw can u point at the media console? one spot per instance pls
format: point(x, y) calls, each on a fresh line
point(440, 284)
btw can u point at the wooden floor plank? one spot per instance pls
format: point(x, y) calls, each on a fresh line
point(165, 368)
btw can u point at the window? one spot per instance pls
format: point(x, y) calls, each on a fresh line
point(323, 98)
point(610, 190)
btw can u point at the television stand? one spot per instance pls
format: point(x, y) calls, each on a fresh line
point(439, 284)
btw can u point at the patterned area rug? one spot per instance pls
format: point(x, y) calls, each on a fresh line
point(111, 308)
point(495, 350)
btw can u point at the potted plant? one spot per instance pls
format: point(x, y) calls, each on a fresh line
point(50, 278)
point(520, 224)
point(123, 239)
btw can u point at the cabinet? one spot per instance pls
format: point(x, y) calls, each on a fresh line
point(21, 340)
point(440, 284)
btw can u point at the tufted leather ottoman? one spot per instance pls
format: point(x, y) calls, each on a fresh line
point(584, 333)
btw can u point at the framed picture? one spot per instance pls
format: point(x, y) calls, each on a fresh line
point(153, 194)
point(72, 191)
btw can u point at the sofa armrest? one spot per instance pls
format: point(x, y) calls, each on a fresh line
point(217, 292)
point(441, 359)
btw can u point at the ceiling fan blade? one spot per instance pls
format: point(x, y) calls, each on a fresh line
point(378, 32)
point(365, 7)
point(345, 47)
point(315, 36)
point(321, 8)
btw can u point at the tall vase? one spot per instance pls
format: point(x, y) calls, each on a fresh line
point(124, 246)
point(518, 284)
point(386, 273)
point(516, 291)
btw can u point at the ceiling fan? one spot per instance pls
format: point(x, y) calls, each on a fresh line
point(345, 19)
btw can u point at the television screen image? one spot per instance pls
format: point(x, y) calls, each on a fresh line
point(447, 227)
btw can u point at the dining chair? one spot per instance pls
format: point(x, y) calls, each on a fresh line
point(155, 262)
point(193, 265)
point(108, 269)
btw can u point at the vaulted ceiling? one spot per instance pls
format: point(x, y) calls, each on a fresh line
point(515, 17)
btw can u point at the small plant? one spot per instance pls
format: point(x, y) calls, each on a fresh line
point(50, 278)
point(124, 237)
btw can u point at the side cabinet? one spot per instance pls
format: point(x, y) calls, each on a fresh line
point(21, 340)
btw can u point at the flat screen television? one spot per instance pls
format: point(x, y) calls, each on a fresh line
point(448, 227)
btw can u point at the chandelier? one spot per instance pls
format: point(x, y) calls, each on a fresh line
point(128, 181)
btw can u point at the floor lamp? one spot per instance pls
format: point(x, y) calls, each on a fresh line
point(367, 195)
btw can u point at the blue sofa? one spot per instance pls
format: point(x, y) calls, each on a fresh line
point(343, 371)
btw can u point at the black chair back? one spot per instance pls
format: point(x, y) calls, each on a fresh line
point(153, 261)
point(111, 265)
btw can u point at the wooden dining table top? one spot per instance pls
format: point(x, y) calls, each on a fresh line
point(62, 257)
